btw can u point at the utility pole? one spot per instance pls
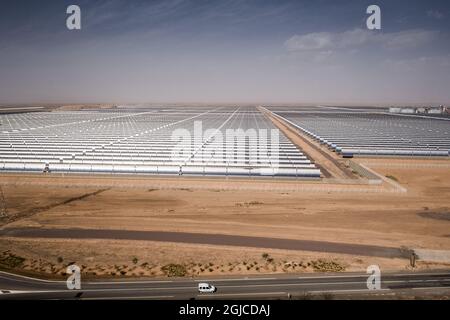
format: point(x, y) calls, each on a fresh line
point(3, 210)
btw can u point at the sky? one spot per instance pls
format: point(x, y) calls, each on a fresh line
point(225, 51)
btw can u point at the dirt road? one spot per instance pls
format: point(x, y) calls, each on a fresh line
point(210, 239)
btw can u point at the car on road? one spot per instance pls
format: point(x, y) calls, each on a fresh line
point(206, 288)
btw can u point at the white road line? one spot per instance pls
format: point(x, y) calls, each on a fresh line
point(293, 284)
point(366, 275)
point(434, 288)
point(241, 294)
point(29, 278)
point(106, 290)
point(421, 274)
point(242, 279)
point(349, 290)
point(90, 283)
point(12, 291)
point(126, 298)
point(129, 282)
point(331, 277)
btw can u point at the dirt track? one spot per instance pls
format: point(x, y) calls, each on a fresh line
point(329, 163)
point(209, 239)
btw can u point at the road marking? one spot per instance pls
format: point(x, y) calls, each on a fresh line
point(294, 284)
point(91, 283)
point(331, 277)
point(348, 290)
point(29, 278)
point(365, 276)
point(12, 291)
point(421, 280)
point(128, 282)
point(422, 274)
point(241, 294)
point(241, 279)
point(132, 297)
point(424, 288)
point(106, 290)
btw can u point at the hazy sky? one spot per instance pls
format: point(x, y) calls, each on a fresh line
point(225, 51)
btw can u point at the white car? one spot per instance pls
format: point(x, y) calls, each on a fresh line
point(206, 288)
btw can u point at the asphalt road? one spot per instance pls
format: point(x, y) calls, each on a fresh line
point(261, 287)
point(210, 239)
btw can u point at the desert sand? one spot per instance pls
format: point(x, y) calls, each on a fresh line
point(419, 218)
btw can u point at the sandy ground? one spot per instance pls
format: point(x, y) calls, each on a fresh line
point(135, 259)
point(78, 107)
point(418, 219)
point(329, 163)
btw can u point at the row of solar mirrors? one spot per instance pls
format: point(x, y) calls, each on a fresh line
point(143, 143)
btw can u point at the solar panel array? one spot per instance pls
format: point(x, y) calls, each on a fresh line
point(371, 132)
point(162, 140)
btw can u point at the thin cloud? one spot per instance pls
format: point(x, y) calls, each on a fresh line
point(435, 14)
point(355, 38)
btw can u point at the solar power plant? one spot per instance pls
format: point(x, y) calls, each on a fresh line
point(157, 140)
point(371, 132)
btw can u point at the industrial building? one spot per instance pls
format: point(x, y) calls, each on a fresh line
point(420, 110)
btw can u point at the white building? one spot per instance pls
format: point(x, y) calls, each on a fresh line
point(394, 110)
point(408, 110)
